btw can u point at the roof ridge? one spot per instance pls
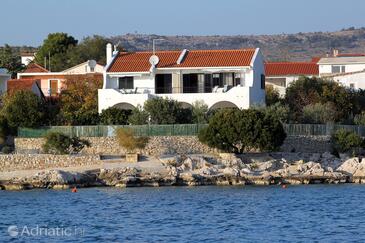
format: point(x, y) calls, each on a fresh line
point(197, 50)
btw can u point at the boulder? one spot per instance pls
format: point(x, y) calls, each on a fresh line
point(349, 166)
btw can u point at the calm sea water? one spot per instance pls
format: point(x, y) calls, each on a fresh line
point(181, 214)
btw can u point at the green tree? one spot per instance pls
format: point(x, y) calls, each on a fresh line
point(200, 112)
point(10, 61)
point(166, 111)
point(138, 116)
point(56, 46)
point(360, 119)
point(90, 48)
point(234, 130)
point(114, 116)
point(23, 109)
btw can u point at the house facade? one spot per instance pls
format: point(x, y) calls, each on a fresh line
point(346, 69)
point(52, 83)
point(281, 74)
point(219, 78)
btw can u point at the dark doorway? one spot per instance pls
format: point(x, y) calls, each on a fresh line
point(190, 83)
point(163, 83)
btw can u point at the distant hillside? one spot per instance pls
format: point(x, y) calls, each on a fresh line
point(291, 47)
point(282, 47)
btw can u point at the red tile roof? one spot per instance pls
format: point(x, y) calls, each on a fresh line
point(35, 68)
point(20, 84)
point(351, 55)
point(316, 59)
point(291, 68)
point(139, 61)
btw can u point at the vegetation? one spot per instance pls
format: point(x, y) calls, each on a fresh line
point(360, 119)
point(344, 141)
point(138, 116)
point(22, 109)
point(129, 141)
point(58, 143)
point(56, 46)
point(319, 113)
point(233, 130)
point(200, 113)
point(78, 103)
point(272, 95)
point(166, 111)
point(10, 61)
point(114, 116)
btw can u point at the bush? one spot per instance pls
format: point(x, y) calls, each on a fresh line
point(360, 119)
point(114, 116)
point(129, 141)
point(233, 130)
point(344, 141)
point(23, 109)
point(280, 112)
point(272, 95)
point(138, 116)
point(58, 143)
point(319, 113)
point(166, 111)
point(199, 113)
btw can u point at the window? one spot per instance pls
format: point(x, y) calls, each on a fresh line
point(338, 69)
point(262, 81)
point(239, 79)
point(125, 83)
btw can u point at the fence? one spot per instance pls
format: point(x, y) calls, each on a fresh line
point(109, 131)
point(177, 130)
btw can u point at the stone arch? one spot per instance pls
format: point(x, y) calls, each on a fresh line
point(186, 105)
point(124, 106)
point(223, 104)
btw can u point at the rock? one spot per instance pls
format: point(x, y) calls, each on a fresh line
point(349, 166)
point(231, 172)
point(315, 157)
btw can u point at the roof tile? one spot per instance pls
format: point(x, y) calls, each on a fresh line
point(291, 68)
point(139, 61)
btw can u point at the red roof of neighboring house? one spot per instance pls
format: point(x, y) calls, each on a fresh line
point(139, 61)
point(316, 59)
point(20, 84)
point(35, 68)
point(291, 68)
point(351, 55)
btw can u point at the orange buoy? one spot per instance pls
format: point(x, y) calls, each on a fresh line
point(74, 189)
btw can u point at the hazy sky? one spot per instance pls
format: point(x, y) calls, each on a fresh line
point(27, 22)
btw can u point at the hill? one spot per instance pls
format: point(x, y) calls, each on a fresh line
point(281, 47)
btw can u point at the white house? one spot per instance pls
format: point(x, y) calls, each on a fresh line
point(347, 69)
point(281, 74)
point(4, 77)
point(220, 78)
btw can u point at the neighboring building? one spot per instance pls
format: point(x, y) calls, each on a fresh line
point(27, 57)
point(341, 63)
point(347, 69)
point(25, 84)
point(220, 78)
point(52, 83)
point(281, 74)
point(4, 77)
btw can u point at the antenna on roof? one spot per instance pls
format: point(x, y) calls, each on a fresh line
point(154, 45)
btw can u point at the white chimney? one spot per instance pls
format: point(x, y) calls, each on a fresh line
point(335, 53)
point(109, 53)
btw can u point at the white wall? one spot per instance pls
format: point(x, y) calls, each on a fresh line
point(26, 60)
point(257, 95)
point(357, 79)
point(327, 69)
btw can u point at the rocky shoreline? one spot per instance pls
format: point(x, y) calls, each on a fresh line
point(225, 170)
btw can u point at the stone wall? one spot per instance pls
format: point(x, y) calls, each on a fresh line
point(109, 146)
point(44, 161)
point(171, 145)
point(307, 144)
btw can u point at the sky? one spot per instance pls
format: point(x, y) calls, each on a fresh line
point(28, 22)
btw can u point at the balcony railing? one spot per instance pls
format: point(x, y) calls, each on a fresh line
point(176, 90)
